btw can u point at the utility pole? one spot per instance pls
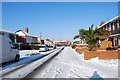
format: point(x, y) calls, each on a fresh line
point(40, 38)
point(53, 38)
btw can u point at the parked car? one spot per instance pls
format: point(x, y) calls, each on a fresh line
point(52, 47)
point(43, 48)
point(8, 50)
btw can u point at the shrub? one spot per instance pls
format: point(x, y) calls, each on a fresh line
point(74, 46)
point(34, 47)
point(25, 47)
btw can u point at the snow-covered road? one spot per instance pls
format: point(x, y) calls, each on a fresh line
point(70, 64)
point(26, 66)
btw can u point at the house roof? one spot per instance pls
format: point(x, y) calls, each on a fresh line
point(115, 18)
point(6, 31)
point(27, 34)
point(60, 41)
point(47, 40)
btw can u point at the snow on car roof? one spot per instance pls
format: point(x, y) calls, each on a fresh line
point(6, 31)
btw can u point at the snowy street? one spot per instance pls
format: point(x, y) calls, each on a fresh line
point(27, 63)
point(60, 39)
point(70, 64)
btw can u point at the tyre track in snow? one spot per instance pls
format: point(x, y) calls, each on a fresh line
point(18, 69)
point(71, 64)
point(57, 70)
point(42, 67)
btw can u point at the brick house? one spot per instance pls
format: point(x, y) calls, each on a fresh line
point(113, 26)
point(41, 40)
point(62, 43)
point(25, 37)
point(48, 41)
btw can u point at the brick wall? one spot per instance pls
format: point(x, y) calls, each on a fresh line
point(21, 39)
point(109, 54)
point(102, 54)
point(81, 50)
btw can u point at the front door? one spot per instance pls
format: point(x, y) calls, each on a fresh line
point(116, 42)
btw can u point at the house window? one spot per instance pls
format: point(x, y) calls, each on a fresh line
point(104, 27)
point(111, 26)
point(116, 25)
point(17, 37)
point(108, 27)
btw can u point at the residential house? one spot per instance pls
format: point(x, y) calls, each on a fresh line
point(113, 26)
point(25, 37)
point(68, 43)
point(81, 43)
point(40, 40)
point(61, 42)
point(48, 42)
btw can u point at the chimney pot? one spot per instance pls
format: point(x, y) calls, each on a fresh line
point(27, 30)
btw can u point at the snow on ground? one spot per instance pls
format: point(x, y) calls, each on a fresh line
point(26, 56)
point(23, 71)
point(70, 64)
point(26, 53)
point(112, 62)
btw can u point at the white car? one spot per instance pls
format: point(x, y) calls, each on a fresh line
point(8, 50)
point(43, 48)
point(52, 47)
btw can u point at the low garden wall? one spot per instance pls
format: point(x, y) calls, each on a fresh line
point(81, 50)
point(103, 54)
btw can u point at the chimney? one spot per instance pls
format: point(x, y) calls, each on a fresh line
point(27, 30)
point(102, 23)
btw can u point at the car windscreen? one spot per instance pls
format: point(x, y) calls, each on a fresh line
point(42, 46)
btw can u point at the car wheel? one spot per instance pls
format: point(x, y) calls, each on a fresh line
point(17, 57)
